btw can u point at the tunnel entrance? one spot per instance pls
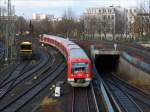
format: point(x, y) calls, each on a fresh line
point(106, 63)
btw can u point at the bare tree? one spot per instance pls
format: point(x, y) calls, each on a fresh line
point(69, 23)
point(105, 27)
point(42, 26)
point(93, 27)
point(140, 27)
point(99, 26)
point(21, 25)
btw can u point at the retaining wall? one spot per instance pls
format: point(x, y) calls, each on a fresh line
point(134, 71)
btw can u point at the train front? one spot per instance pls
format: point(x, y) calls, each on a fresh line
point(79, 72)
point(26, 50)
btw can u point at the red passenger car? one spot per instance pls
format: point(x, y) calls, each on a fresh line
point(79, 65)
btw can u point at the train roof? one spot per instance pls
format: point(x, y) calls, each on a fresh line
point(74, 49)
point(77, 53)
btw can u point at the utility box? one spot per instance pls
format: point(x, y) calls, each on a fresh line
point(57, 91)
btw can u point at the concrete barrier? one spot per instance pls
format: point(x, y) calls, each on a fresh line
point(134, 72)
point(144, 66)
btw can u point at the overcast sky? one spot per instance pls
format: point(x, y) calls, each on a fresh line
point(57, 7)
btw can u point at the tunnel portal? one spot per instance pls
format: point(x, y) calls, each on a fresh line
point(106, 63)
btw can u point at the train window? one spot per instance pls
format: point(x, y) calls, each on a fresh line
point(44, 39)
point(79, 67)
point(49, 40)
point(25, 46)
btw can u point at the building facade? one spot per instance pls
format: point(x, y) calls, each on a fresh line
point(111, 20)
point(131, 17)
point(104, 20)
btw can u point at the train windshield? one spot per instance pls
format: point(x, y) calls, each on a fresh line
point(25, 46)
point(79, 67)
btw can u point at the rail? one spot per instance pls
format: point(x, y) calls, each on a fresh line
point(94, 97)
point(1, 55)
point(30, 92)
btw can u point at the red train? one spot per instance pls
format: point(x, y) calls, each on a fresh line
point(79, 65)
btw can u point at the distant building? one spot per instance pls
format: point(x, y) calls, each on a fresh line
point(131, 14)
point(142, 24)
point(110, 20)
point(58, 19)
point(3, 11)
point(50, 17)
point(38, 16)
point(41, 16)
point(107, 20)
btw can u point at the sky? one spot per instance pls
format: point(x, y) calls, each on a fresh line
point(57, 7)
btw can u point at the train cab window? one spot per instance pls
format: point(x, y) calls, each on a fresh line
point(79, 67)
point(25, 46)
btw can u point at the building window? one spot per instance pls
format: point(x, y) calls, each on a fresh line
point(130, 10)
point(112, 17)
point(135, 10)
point(108, 17)
point(104, 17)
point(99, 11)
point(113, 10)
point(109, 10)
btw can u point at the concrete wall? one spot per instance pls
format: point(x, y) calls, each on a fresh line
point(133, 75)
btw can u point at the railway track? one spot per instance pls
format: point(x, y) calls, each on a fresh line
point(135, 51)
point(9, 77)
point(5, 87)
point(141, 98)
point(137, 46)
point(6, 72)
point(1, 54)
point(13, 74)
point(14, 79)
point(20, 101)
point(83, 100)
point(80, 99)
point(46, 92)
point(36, 61)
point(22, 95)
point(124, 100)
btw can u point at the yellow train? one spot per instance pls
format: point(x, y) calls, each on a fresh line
point(26, 50)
